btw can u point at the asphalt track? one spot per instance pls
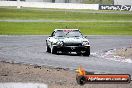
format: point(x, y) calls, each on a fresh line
point(31, 49)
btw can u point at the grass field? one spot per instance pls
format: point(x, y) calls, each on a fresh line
point(53, 14)
point(91, 28)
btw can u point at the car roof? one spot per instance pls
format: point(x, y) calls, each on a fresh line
point(65, 29)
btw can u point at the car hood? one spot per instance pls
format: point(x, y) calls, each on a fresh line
point(72, 39)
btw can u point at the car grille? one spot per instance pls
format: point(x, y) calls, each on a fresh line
point(72, 44)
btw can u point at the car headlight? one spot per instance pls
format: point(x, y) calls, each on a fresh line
point(59, 43)
point(85, 43)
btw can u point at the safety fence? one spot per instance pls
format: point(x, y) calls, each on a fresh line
point(49, 5)
point(20, 4)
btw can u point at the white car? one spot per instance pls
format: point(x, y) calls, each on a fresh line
point(68, 40)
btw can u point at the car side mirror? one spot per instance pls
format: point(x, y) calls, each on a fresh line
point(85, 36)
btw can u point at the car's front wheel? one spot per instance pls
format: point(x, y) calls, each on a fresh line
point(87, 52)
point(54, 50)
point(48, 49)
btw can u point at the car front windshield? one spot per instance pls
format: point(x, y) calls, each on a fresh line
point(59, 33)
point(68, 33)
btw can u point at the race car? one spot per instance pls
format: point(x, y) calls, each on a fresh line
point(67, 41)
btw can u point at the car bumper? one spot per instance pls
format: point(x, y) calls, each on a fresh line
point(72, 48)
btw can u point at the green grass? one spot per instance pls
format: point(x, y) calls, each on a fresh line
point(89, 28)
point(53, 14)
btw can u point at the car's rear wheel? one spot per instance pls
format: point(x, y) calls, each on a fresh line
point(87, 52)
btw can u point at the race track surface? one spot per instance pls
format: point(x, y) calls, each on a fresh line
point(31, 49)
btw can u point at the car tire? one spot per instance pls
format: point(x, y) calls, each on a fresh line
point(48, 49)
point(54, 50)
point(87, 52)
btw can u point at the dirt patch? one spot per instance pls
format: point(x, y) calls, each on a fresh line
point(53, 77)
point(120, 54)
point(34, 73)
point(124, 52)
